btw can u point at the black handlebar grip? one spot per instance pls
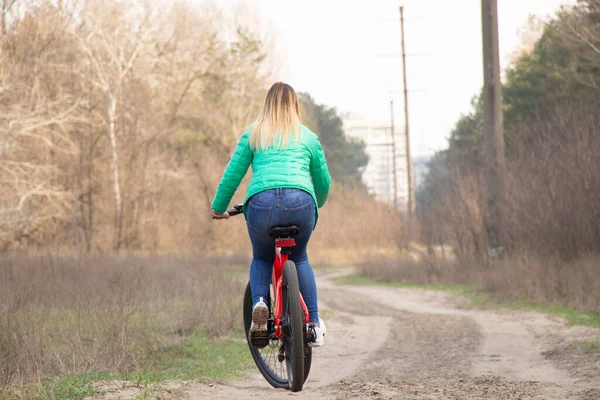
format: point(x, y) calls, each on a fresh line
point(236, 210)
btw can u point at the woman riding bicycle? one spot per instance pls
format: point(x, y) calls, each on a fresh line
point(290, 181)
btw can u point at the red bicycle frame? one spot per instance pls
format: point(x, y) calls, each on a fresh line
point(280, 259)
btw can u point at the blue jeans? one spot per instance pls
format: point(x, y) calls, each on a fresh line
point(281, 207)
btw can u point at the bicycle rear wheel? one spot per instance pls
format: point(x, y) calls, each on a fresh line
point(267, 359)
point(292, 324)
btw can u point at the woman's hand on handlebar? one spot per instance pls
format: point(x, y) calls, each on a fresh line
point(225, 215)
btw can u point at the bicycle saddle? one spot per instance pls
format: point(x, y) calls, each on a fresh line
point(284, 231)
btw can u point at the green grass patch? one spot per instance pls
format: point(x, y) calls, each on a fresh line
point(236, 273)
point(324, 266)
point(360, 280)
point(199, 357)
point(591, 346)
point(326, 313)
point(572, 315)
point(483, 299)
point(82, 385)
point(70, 387)
point(202, 357)
point(365, 280)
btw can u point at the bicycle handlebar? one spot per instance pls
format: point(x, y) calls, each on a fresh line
point(236, 210)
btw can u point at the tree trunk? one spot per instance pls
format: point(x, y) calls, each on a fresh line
point(112, 111)
point(90, 188)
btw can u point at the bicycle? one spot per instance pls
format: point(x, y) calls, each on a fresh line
point(288, 323)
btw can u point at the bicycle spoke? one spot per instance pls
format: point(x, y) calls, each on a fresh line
point(269, 355)
point(277, 373)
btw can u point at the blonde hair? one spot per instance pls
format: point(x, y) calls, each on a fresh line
point(279, 118)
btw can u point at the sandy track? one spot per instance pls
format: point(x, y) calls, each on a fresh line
point(389, 343)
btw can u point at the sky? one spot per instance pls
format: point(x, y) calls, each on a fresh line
point(346, 54)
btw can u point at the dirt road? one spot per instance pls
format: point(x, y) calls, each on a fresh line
point(390, 343)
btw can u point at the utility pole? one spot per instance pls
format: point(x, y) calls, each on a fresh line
point(411, 192)
point(394, 156)
point(494, 138)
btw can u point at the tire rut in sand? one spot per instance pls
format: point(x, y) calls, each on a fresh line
point(436, 351)
point(385, 343)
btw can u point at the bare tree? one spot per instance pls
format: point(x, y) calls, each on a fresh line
point(116, 106)
point(113, 52)
point(7, 5)
point(580, 30)
point(29, 197)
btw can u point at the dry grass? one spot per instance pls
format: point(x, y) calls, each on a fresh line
point(551, 217)
point(524, 279)
point(351, 225)
point(545, 281)
point(61, 316)
point(416, 269)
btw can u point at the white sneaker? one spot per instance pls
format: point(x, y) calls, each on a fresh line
point(320, 330)
point(258, 333)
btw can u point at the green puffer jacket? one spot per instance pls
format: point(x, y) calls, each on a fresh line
point(301, 165)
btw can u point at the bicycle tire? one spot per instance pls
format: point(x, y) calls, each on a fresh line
point(265, 361)
point(262, 360)
point(294, 332)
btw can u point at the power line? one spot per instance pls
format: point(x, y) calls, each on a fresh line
point(427, 53)
point(418, 18)
point(409, 91)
